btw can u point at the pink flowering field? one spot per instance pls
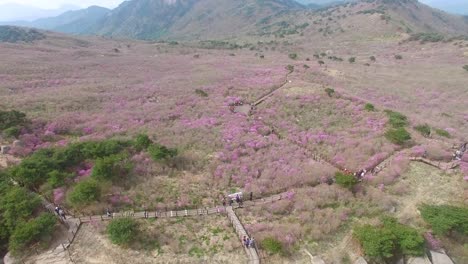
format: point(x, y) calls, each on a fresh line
point(81, 89)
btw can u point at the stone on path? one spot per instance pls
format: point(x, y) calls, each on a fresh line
point(360, 260)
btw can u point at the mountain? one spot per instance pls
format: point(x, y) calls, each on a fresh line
point(73, 22)
point(16, 12)
point(228, 19)
point(151, 19)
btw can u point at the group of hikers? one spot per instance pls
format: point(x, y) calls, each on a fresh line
point(238, 198)
point(248, 242)
point(60, 212)
point(459, 153)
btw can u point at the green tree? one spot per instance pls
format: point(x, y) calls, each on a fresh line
point(372, 58)
point(465, 67)
point(35, 230)
point(389, 239)
point(369, 107)
point(398, 57)
point(57, 178)
point(142, 141)
point(272, 246)
point(160, 152)
point(110, 167)
point(17, 205)
point(345, 180)
point(84, 193)
point(445, 219)
point(425, 129)
point(396, 119)
point(12, 118)
point(122, 231)
point(352, 60)
point(376, 243)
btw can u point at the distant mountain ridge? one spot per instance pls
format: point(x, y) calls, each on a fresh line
point(223, 19)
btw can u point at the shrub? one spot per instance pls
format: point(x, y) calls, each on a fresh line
point(290, 68)
point(33, 171)
point(57, 178)
point(201, 93)
point(425, 129)
point(160, 152)
point(398, 57)
point(122, 231)
point(17, 205)
point(442, 132)
point(398, 136)
point(321, 62)
point(369, 107)
point(12, 132)
point(426, 37)
point(389, 239)
point(84, 193)
point(272, 246)
point(396, 119)
point(32, 231)
point(142, 142)
point(345, 180)
point(293, 56)
point(465, 67)
point(107, 168)
point(372, 58)
point(9, 119)
point(330, 91)
point(17, 34)
point(306, 66)
point(445, 218)
point(352, 60)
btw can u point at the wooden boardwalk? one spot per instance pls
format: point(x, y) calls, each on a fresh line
point(241, 233)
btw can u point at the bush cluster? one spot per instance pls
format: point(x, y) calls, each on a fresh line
point(345, 180)
point(18, 226)
point(389, 240)
point(122, 231)
point(398, 136)
point(425, 129)
point(445, 219)
point(369, 107)
point(11, 122)
point(272, 246)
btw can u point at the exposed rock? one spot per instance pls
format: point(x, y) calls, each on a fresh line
point(360, 260)
point(18, 143)
point(440, 258)
point(418, 260)
point(4, 149)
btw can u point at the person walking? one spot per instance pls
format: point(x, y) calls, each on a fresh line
point(251, 196)
point(108, 213)
point(247, 242)
point(252, 243)
point(62, 214)
point(57, 210)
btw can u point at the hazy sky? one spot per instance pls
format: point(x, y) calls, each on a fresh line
point(52, 4)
